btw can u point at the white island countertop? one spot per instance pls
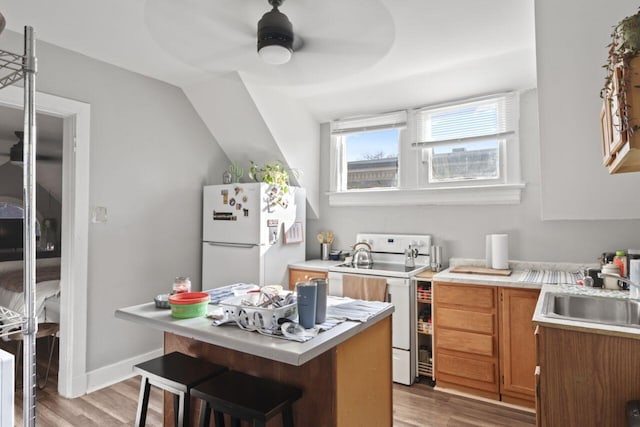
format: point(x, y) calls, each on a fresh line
point(234, 338)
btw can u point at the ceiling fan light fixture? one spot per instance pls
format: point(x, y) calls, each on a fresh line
point(275, 54)
point(275, 36)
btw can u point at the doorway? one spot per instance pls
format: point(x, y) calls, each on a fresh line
point(72, 375)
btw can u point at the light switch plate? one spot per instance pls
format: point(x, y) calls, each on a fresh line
point(99, 215)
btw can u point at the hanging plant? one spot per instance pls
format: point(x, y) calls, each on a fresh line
point(276, 176)
point(624, 46)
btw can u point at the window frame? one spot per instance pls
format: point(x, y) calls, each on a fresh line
point(412, 186)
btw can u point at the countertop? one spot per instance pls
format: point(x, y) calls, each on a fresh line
point(315, 265)
point(597, 328)
point(513, 281)
point(232, 337)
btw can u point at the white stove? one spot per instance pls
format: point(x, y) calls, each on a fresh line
point(388, 254)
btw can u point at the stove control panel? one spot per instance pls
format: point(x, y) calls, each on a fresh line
point(396, 243)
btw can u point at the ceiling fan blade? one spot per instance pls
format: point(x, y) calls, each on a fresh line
point(325, 45)
point(198, 31)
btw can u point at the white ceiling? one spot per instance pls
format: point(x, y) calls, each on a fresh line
point(356, 55)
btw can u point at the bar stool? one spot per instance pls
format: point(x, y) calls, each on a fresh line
point(245, 397)
point(176, 373)
point(45, 329)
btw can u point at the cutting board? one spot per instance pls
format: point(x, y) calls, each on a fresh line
point(470, 269)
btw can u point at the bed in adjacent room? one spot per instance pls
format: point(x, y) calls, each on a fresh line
point(47, 288)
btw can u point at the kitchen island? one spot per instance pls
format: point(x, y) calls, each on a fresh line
point(344, 373)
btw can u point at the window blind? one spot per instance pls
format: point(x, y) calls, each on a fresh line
point(467, 121)
point(393, 120)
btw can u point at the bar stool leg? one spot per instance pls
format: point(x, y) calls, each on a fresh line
point(52, 345)
point(219, 418)
point(205, 414)
point(287, 416)
point(143, 402)
point(182, 414)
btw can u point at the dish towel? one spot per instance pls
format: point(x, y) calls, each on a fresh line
point(365, 288)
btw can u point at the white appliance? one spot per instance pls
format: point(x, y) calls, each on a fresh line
point(247, 237)
point(388, 252)
point(6, 389)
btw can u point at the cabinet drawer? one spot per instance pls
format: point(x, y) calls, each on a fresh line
point(466, 342)
point(465, 320)
point(472, 369)
point(465, 295)
point(296, 276)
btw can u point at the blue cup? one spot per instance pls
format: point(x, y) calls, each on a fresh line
point(307, 295)
point(321, 300)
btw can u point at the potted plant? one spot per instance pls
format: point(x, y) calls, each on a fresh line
point(624, 46)
point(277, 176)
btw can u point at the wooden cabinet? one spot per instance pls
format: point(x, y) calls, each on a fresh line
point(586, 378)
point(466, 338)
point(517, 345)
point(619, 118)
point(484, 341)
point(298, 275)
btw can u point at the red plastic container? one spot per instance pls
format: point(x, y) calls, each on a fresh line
point(188, 298)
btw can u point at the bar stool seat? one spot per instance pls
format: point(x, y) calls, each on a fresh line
point(176, 373)
point(245, 397)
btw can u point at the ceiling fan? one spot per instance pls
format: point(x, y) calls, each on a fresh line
point(275, 36)
point(17, 149)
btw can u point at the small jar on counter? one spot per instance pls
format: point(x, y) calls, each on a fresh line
point(611, 282)
point(181, 284)
point(621, 261)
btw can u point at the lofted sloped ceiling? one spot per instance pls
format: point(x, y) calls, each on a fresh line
point(352, 57)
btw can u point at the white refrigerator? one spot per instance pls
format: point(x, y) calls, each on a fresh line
point(247, 237)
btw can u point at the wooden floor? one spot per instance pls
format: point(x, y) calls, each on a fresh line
point(418, 405)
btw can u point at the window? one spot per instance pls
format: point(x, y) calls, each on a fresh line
point(367, 151)
point(467, 143)
point(466, 152)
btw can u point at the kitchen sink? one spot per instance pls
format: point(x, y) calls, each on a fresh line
point(612, 311)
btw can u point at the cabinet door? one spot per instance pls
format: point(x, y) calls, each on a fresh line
point(296, 275)
point(517, 344)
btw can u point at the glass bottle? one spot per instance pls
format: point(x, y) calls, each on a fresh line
point(621, 261)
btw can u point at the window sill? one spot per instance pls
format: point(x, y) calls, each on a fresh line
point(503, 194)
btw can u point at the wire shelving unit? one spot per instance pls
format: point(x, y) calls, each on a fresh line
point(15, 68)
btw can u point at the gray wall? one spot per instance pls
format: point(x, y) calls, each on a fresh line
point(150, 156)
point(461, 229)
point(572, 40)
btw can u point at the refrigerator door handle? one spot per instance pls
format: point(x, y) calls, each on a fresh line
point(232, 245)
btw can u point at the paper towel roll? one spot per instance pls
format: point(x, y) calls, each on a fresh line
point(500, 251)
point(487, 251)
point(634, 276)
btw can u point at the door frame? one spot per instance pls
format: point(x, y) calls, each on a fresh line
point(72, 374)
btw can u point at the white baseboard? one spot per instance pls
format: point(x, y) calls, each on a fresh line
point(120, 371)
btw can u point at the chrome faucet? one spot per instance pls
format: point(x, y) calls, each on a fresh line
point(635, 294)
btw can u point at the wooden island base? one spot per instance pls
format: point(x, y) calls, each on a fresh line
point(348, 385)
